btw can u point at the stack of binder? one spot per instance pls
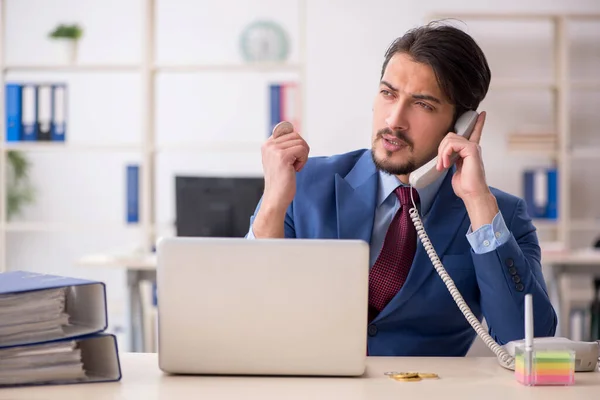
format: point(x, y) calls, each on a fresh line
point(52, 331)
point(36, 111)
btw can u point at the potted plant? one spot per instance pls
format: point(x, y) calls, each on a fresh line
point(68, 36)
point(19, 189)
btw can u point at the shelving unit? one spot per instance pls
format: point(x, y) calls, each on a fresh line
point(73, 68)
point(561, 88)
point(562, 258)
point(3, 246)
point(147, 148)
point(67, 147)
point(251, 67)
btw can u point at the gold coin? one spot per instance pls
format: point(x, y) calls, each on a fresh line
point(407, 378)
point(406, 374)
point(428, 375)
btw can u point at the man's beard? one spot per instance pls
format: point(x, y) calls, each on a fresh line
point(394, 169)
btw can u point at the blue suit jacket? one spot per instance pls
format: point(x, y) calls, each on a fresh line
point(336, 199)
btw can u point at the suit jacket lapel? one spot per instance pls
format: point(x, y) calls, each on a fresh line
point(355, 197)
point(446, 215)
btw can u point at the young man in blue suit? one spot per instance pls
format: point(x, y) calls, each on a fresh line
point(483, 236)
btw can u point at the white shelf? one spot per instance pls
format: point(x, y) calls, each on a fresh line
point(140, 261)
point(588, 224)
point(532, 84)
point(576, 224)
point(242, 67)
point(577, 153)
point(72, 68)
point(522, 84)
point(530, 152)
point(230, 147)
point(64, 227)
point(572, 257)
point(67, 147)
point(515, 16)
point(586, 84)
point(541, 223)
point(587, 152)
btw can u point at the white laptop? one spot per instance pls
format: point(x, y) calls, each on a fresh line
point(262, 307)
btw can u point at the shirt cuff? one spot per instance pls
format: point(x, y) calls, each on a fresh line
point(250, 234)
point(490, 236)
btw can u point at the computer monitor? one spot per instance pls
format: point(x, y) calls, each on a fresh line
point(215, 206)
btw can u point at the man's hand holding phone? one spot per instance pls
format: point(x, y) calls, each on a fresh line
point(469, 182)
point(283, 154)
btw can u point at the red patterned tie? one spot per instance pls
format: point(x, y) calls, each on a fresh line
point(389, 272)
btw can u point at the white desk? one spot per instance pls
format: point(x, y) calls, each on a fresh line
point(460, 378)
point(138, 267)
point(559, 263)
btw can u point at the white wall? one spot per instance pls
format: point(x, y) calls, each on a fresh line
point(345, 43)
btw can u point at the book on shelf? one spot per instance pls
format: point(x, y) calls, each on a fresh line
point(36, 111)
point(540, 187)
point(132, 193)
point(284, 105)
point(52, 331)
point(533, 141)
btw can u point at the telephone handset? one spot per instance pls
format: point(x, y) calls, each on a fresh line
point(428, 173)
point(587, 353)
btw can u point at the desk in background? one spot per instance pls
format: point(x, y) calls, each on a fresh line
point(460, 378)
point(559, 264)
point(141, 268)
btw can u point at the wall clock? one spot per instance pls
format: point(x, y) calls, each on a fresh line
point(264, 41)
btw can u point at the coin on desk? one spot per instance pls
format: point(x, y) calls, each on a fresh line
point(405, 374)
point(411, 376)
point(407, 378)
point(428, 375)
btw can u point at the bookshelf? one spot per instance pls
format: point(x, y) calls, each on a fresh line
point(72, 68)
point(563, 86)
point(3, 156)
point(148, 148)
point(568, 263)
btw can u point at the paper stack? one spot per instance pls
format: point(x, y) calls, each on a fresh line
point(58, 362)
point(36, 316)
point(33, 316)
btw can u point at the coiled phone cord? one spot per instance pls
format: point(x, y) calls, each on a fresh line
point(505, 359)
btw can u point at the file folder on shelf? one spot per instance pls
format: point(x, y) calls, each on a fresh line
point(540, 187)
point(44, 115)
point(52, 331)
point(59, 112)
point(132, 193)
point(13, 99)
point(284, 105)
point(29, 112)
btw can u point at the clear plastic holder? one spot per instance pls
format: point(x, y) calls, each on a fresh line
point(541, 367)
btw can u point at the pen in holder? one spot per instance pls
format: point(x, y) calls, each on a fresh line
point(540, 367)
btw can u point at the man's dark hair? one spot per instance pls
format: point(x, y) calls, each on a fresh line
point(457, 60)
